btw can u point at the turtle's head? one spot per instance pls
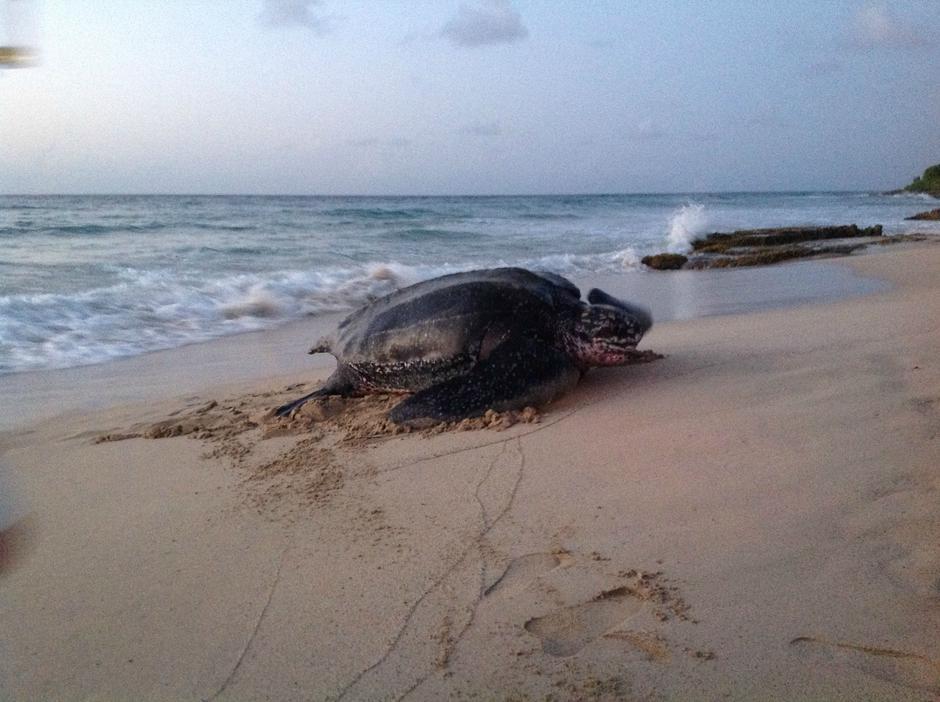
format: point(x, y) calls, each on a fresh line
point(607, 331)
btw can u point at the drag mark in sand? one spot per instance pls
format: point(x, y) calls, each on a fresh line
point(486, 476)
point(444, 454)
point(481, 540)
point(449, 643)
point(254, 632)
point(476, 544)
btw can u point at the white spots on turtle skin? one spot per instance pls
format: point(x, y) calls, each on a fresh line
point(409, 376)
point(603, 335)
point(599, 351)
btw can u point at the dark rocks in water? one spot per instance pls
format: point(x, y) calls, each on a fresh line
point(665, 261)
point(932, 215)
point(779, 236)
point(903, 238)
point(761, 247)
point(770, 255)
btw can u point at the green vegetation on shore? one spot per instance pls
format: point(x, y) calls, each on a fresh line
point(929, 182)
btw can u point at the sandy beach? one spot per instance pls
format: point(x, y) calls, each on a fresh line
point(752, 517)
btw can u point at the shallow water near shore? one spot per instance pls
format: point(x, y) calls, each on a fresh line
point(678, 295)
point(86, 279)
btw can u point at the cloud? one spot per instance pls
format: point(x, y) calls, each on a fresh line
point(482, 129)
point(875, 27)
point(485, 22)
point(293, 13)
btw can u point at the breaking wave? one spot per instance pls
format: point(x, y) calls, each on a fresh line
point(686, 225)
point(84, 279)
point(153, 310)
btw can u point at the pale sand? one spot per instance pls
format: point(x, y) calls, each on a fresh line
point(753, 517)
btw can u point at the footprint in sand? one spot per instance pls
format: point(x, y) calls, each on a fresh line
point(566, 631)
point(524, 570)
point(911, 670)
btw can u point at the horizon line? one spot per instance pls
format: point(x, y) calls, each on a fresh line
point(451, 195)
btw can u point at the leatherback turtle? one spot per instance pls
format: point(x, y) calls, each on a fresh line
point(500, 339)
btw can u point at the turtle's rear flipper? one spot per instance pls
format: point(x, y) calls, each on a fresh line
point(336, 384)
point(519, 372)
point(286, 409)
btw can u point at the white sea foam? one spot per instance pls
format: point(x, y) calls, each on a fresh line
point(85, 279)
point(571, 264)
point(259, 302)
point(151, 310)
point(907, 195)
point(686, 224)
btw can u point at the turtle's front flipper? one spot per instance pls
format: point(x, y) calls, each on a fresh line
point(336, 384)
point(519, 372)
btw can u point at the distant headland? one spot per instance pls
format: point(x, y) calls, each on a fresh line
point(928, 183)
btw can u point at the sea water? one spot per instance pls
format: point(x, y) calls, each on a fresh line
point(84, 279)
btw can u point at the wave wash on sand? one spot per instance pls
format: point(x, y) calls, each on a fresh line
point(87, 279)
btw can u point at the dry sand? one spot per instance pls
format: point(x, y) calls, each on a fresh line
point(753, 517)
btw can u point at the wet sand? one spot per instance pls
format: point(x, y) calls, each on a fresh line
point(232, 361)
point(751, 517)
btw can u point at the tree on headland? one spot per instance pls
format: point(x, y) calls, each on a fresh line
point(929, 182)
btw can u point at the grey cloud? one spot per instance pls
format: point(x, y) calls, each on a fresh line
point(293, 13)
point(485, 22)
point(874, 26)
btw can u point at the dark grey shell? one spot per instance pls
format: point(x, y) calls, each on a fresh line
point(499, 339)
point(451, 320)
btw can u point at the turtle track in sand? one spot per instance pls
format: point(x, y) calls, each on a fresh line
point(304, 458)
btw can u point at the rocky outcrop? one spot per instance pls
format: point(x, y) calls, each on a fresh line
point(665, 261)
point(931, 215)
point(769, 255)
point(761, 247)
point(779, 236)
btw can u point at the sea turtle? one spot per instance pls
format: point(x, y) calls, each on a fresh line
point(500, 338)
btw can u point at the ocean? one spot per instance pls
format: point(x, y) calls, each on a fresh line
point(85, 279)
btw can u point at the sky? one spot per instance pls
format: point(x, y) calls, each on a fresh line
point(476, 97)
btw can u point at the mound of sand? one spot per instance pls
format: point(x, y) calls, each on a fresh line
point(309, 447)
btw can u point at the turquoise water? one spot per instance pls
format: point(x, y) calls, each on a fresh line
point(87, 278)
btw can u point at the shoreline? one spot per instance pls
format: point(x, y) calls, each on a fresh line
point(279, 351)
point(84, 285)
point(754, 516)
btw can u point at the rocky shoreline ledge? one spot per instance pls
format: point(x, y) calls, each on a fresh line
point(929, 215)
point(760, 247)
